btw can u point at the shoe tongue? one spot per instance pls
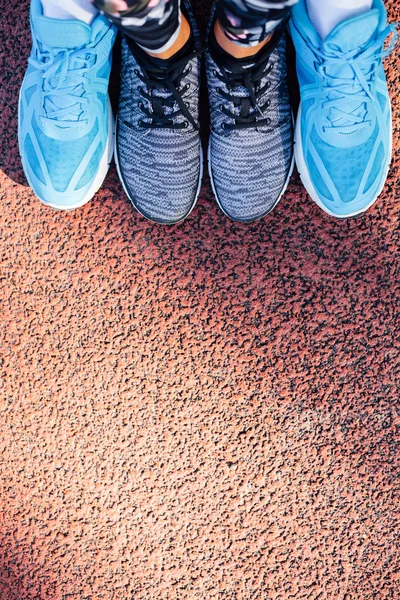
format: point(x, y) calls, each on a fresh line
point(59, 33)
point(352, 33)
point(64, 35)
point(348, 37)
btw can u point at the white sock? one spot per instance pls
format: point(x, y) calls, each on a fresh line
point(83, 10)
point(326, 14)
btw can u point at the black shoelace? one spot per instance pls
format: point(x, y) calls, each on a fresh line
point(237, 74)
point(157, 77)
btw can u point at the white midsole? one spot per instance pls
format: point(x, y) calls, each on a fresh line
point(306, 179)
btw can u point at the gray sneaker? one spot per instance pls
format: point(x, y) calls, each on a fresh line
point(250, 155)
point(158, 149)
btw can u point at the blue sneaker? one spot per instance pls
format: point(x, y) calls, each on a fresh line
point(343, 139)
point(65, 119)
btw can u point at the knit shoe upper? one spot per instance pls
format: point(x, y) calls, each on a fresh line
point(65, 121)
point(251, 141)
point(158, 147)
point(344, 130)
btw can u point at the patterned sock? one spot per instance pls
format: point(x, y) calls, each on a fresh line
point(152, 24)
point(326, 14)
point(249, 22)
point(83, 10)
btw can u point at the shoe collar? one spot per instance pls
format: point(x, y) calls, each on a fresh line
point(347, 35)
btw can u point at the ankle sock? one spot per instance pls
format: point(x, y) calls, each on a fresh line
point(145, 57)
point(326, 14)
point(227, 58)
point(83, 10)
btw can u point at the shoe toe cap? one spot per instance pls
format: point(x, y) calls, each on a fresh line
point(160, 176)
point(346, 180)
point(64, 174)
point(248, 179)
point(68, 199)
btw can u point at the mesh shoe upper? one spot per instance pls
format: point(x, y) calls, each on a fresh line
point(344, 143)
point(251, 142)
point(158, 142)
point(64, 115)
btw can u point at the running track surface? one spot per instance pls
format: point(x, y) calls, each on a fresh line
point(207, 411)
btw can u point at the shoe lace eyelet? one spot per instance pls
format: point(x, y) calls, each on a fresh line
point(185, 124)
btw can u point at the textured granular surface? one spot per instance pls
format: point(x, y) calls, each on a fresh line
point(206, 411)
